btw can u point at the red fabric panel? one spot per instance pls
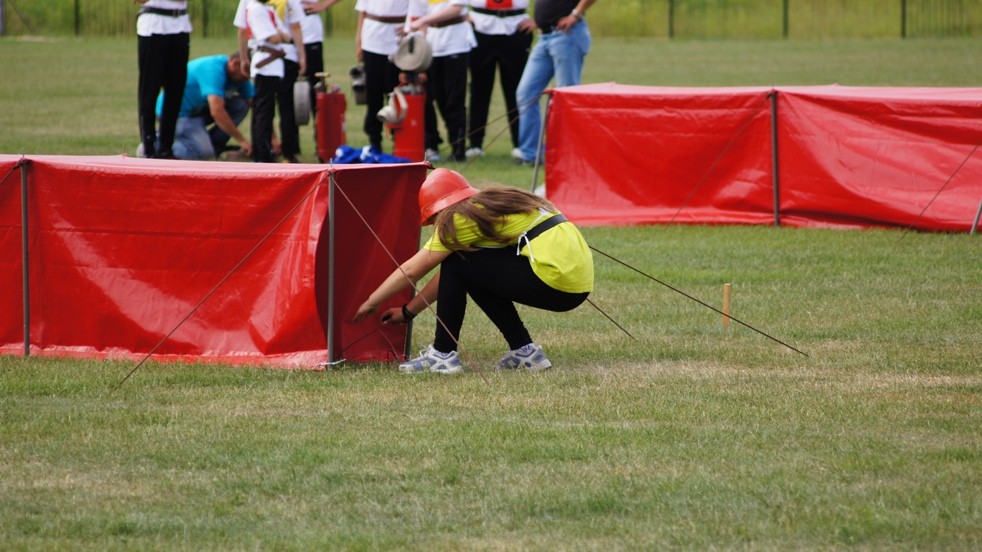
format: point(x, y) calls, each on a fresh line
point(848, 157)
point(619, 155)
point(122, 250)
point(384, 197)
point(860, 157)
point(11, 269)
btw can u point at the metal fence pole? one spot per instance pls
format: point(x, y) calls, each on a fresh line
point(785, 22)
point(331, 215)
point(903, 18)
point(539, 155)
point(671, 19)
point(775, 161)
point(204, 19)
point(26, 271)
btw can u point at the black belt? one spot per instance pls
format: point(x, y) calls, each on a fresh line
point(497, 13)
point(274, 54)
point(538, 229)
point(455, 21)
point(552, 28)
point(387, 19)
point(161, 11)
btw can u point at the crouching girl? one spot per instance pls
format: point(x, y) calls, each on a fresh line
point(500, 246)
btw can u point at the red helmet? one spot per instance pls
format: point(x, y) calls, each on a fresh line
point(441, 189)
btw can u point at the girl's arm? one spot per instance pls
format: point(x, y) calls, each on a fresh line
point(408, 273)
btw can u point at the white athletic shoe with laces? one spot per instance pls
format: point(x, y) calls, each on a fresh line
point(431, 360)
point(530, 358)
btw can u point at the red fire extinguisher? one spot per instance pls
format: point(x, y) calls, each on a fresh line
point(404, 116)
point(331, 107)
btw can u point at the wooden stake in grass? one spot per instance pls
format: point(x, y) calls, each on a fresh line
point(726, 306)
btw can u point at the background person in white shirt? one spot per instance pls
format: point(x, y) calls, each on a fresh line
point(291, 14)
point(380, 24)
point(163, 31)
point(266, 35)
point(452, 38)
point(504, 34)
point(312, 28)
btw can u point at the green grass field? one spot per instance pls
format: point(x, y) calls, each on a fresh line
point(692, 436)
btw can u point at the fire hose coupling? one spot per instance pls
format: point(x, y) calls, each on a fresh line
point(324, 86)
point(395, 112)
point(414, 53)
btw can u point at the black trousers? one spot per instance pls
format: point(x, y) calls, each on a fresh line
point(315, 64)
point(495, 279)
point(263, 112)
point(507, 54)
point(289, 133)
point(163, 64)
point(381, 77)
point(446, 88)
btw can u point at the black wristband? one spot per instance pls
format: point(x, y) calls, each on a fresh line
point(406, 315)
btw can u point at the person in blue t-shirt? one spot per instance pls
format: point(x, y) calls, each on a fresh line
point(217, 97)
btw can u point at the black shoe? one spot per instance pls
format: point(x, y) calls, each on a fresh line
point(166, 154)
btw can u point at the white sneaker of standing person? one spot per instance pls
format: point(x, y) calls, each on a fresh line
point(431, 360)
point(431, 155)
point(474, 152)
point(520, 159)
point(530, 357)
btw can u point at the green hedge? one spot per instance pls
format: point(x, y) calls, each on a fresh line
point(649, 18)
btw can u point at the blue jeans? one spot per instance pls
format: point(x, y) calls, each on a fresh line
point(556, 54)
point(194, 140)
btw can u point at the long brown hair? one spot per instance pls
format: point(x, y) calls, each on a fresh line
point(486, 209)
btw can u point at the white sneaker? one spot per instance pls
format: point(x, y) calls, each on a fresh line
point(140, 152)
point(530, 357)
point(431, 155)
point(474, 152)
point(431, 360)
point(520, 158)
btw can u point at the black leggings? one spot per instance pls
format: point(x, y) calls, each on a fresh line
point(289, 133)
point(381, 77)
point(263, 112)
point(507, 54)
point(163, 64)
point(495, 279)
point(447, 90)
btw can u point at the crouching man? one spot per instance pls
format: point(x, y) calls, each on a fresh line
point(217, 98)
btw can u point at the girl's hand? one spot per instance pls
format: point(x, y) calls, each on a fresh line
point(366, 309)
point(393, 316)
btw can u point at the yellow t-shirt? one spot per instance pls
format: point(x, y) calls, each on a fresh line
point(559, 256)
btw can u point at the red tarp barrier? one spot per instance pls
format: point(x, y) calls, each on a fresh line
point(858, 157)
point(122, 250)
point(847, 157)
point(11, 269)
point(623, 155)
